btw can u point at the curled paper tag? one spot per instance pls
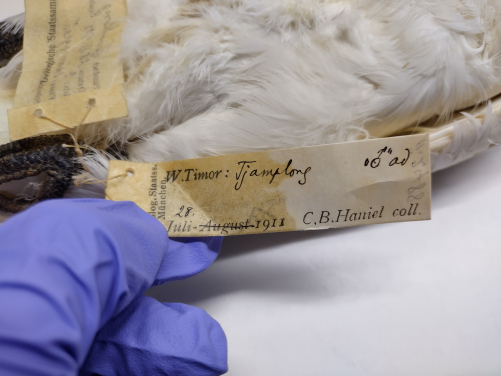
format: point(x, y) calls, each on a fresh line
point(5, 105)
point(310, 188)
point(71, 63)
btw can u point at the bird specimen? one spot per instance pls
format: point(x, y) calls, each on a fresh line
point(214, 77)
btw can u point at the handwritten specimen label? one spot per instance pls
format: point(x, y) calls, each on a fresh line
point(310, 188)
point(72, 73)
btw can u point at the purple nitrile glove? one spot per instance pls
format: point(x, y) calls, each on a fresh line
point(72, 274)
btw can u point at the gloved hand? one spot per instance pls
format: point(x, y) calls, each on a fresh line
point(72, 268)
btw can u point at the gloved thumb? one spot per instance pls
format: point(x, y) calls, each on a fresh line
point(152, 338)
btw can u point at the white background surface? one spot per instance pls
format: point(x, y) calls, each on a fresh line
point(418, 298)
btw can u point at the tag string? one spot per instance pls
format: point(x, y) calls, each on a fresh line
point(92, 181)
point(78, 148)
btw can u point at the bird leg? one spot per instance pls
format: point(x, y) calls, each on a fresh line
point(33, 156)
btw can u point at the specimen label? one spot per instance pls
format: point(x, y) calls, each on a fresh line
point(309, 188)
point(72, 73)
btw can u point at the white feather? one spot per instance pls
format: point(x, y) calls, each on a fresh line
point(96, 164)
point(10, 74)
point(466, 137)
point(13, 24)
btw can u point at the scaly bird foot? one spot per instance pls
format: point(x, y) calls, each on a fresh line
point(33, 156)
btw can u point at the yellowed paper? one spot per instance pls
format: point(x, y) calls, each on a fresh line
point(72, 72)
point(318, 187)
point(6, 97)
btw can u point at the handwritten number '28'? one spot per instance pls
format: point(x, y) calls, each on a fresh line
point(187, 212)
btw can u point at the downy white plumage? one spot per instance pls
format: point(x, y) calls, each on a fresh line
point(212, 77)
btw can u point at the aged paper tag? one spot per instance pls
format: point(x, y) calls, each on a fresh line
point(5, 105)
point(310, 188)
point(72, 72)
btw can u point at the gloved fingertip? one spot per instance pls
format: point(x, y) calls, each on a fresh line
point(188, 256)
point(152, 338)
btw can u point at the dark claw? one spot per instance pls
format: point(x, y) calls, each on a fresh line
point(31, 157)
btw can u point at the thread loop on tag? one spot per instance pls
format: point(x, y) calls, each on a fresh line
point(91, 181)
point(78, 149)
